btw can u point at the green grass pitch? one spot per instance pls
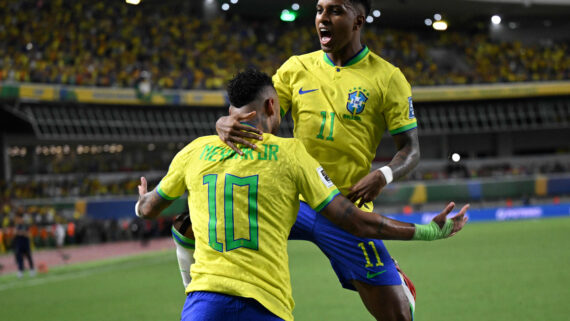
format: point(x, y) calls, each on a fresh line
point(490, 271)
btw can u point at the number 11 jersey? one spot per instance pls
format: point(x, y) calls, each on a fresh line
point(341, 112)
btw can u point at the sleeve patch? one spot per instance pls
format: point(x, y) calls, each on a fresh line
point(411, 114)
point(324, 177)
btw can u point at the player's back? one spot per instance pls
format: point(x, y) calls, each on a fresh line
point(242, 209)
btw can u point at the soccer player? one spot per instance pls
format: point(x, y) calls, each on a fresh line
point(342, 99)
point(243, 207)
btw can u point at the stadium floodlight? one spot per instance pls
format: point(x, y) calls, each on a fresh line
point(496, 19)
point(376, 13)
point(428, 22)
point(225, 7)
point(288, 16)
point(440, 25)
point(295, 6)
point(370, 19)
point(437, 16)
point(133, 2)
point(455, 157)
point(234, 1)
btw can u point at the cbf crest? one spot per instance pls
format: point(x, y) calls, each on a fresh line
point(357, 98)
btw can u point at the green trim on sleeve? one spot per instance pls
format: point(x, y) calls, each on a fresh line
point(183, 240)
point(282, 112)
point(164, 195)
point(326, 202)
point(404, 128)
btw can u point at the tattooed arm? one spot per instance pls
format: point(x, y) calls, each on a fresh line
point(150, 204)
point(346, 215)
point(408, 154)
point(405, 160)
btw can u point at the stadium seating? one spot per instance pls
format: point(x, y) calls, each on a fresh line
point(181, 51)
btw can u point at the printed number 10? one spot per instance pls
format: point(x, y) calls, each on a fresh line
point(231, 242)
point(324, 115)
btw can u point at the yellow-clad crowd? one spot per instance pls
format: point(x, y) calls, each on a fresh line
point(108, 43)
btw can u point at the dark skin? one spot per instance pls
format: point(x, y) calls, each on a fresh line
point(405, 160)
point(340, 211)
point(338, 24)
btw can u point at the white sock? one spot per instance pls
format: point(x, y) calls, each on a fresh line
point(185, 259)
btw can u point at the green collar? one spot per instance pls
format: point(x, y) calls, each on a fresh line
point(359, 56)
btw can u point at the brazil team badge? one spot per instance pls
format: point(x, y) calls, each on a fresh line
point(357, 98)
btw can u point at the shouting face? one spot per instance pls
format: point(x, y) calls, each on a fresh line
point(338, 24)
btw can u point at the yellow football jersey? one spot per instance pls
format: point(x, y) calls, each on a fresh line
point(341, 112)
point(242, 209)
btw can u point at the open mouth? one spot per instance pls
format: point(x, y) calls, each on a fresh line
point(326, 36)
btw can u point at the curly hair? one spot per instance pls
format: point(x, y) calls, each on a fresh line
point(246, 86)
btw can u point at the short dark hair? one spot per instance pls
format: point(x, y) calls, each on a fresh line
point(367, 4)
point(246, 86)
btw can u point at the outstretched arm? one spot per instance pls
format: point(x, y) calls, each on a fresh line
point(150, 204)
point(346, 215)
point(405, 160)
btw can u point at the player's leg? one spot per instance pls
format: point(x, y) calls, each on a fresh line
point(184, 240)
point(385, 302)
point(366, 266)
point(28, 256)
point(19, 261)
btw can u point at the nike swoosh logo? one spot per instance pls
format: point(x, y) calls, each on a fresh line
point(373, 275)
point(302, 92)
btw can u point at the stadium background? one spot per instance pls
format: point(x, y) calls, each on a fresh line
point(96, 94)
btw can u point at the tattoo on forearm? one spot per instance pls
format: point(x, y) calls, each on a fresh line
point(381, 225)
point(151, 203)
point(408, 154)
point(347, 210)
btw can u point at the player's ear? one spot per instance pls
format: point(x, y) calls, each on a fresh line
point(358, 22)
point(269, 106)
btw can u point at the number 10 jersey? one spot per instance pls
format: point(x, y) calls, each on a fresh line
point(242, 209)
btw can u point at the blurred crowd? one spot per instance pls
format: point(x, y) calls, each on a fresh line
point(71, 187)
point(53, 226)
point(108, 43)
point(113, 184)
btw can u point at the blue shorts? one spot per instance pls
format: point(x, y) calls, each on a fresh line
point(352, 258)
point(210, 306)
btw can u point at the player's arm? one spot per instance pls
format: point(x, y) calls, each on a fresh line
point(405, 160)
point(401, 121)
point(150, 204)
point(342, 212)
point(408, 155)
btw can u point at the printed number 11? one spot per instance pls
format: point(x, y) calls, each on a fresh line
point(367, 258)
point(320, 135)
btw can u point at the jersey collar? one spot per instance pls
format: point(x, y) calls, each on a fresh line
point(356, 58)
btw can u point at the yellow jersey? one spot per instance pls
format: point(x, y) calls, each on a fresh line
point(341, 112)
point(242, 209)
